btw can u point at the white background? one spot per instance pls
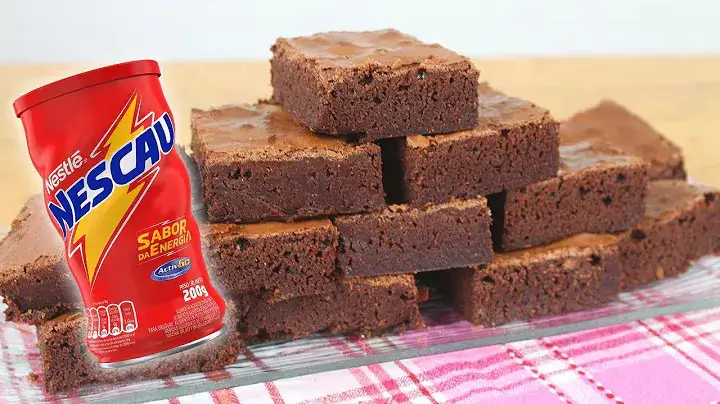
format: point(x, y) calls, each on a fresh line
point(112, 30)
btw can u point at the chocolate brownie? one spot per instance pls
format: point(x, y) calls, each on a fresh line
point(277, 259)
point(257, 164)
point(370, 306)
point(682, 223)
point(35, 281)
point(373, 85)
point(596, 191)
point(403, 239)
point(514, 143)
point(67, 364)
point(284, 259)
point(573, 274)
point(628, 133)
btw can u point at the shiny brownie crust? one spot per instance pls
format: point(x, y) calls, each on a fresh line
point(373, 85)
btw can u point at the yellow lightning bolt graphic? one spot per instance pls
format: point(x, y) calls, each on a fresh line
point(99, 225)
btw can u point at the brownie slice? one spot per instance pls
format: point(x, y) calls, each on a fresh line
point(624, 131)
point(67, 364)
point(370, 306)
point(574, 274)
point(596, 191)
point(274, 258)
point(403, 239)
point(373, 84)
point(514, 143)
point(35, 281)
point(682, 223)
point(283, 259)
point(257, 164)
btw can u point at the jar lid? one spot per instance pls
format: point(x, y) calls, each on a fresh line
point(84, 80)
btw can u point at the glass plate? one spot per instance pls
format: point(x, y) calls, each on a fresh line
point(446, 332)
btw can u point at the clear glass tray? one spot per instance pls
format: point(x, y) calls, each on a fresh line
point(446, 332)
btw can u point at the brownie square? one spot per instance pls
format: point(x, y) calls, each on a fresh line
point(274, 259)
point(403, 239)
point(574, 274)
point(67, 364)
point(629, 134)
point(257, 164)
point(373, 85)
point(281, 259)
point(681, 224)
point(369, 306)
point(596, 191)
point(35, 281)
point(514, 143)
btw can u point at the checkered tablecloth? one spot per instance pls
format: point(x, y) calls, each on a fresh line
point(672, 359)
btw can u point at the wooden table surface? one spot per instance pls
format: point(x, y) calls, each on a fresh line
point(680, 96)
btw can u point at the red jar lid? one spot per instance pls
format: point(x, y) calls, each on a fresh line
point(84, 80)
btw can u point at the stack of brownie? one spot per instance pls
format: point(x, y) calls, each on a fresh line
point(619, 214)
point(381, 159)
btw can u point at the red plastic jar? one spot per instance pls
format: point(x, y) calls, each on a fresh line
point(118, 193)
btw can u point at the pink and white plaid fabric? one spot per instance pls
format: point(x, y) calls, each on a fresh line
point(672, 359)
